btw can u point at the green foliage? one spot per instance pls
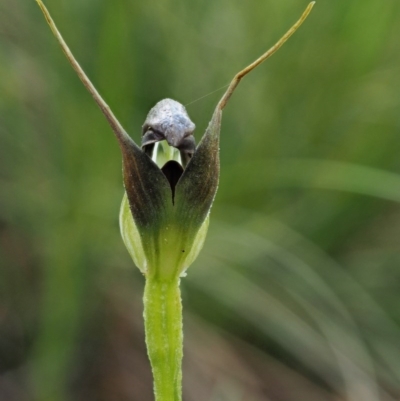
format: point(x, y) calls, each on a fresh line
point(301, 263)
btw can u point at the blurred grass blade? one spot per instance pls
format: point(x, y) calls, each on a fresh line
point(314, 173)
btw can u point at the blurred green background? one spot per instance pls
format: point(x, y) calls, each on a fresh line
point(296, 294)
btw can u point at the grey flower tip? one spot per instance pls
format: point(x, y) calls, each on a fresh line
point(168, 120)
point(169, 115)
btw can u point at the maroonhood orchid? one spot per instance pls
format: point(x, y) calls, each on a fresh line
point(170, 185)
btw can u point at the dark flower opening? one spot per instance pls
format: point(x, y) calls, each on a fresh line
point(173, 171)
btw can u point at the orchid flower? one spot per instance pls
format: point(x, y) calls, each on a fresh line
point(170, 185)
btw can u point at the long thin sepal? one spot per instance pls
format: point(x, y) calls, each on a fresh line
point(198, 185)
point(112, 120)
point(236, 79)
point(147, 188)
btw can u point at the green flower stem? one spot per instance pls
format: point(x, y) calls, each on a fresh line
point(164, 336)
